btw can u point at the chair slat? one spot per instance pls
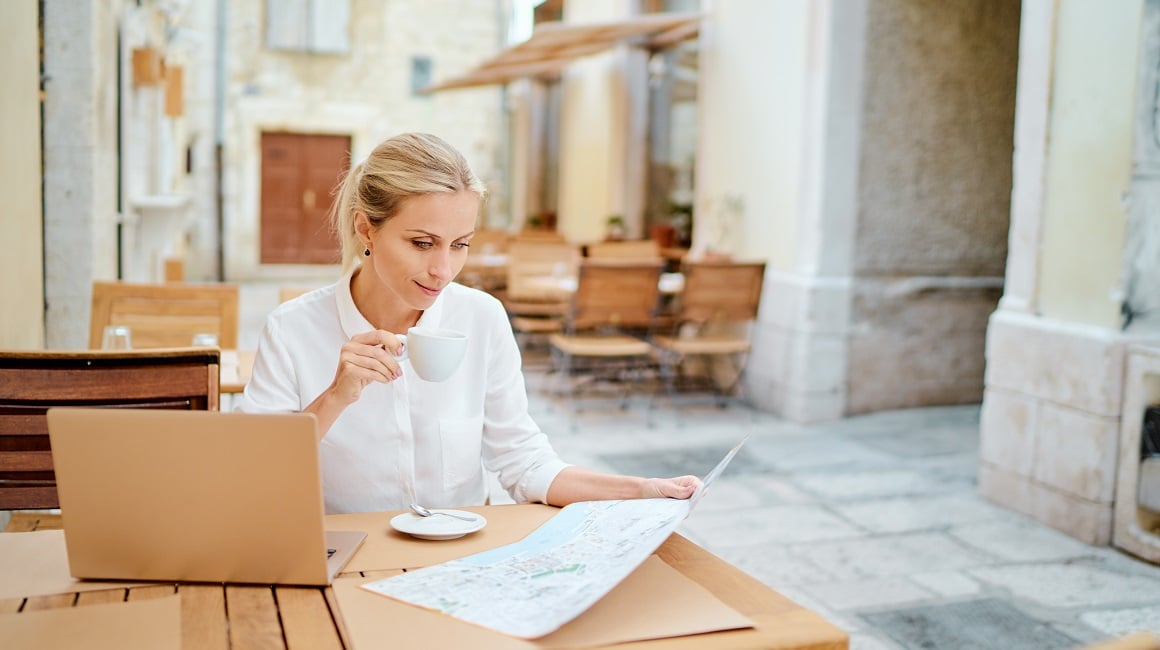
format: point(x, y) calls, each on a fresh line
point(33, 382)
point(165, 315)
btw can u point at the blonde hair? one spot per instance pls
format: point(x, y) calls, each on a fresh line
point(406, 165)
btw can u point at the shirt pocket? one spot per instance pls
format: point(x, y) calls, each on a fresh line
point(461, 438)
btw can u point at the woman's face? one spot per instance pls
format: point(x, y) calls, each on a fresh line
point(420, 250)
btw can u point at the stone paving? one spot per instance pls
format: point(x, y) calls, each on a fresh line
point(871, 521)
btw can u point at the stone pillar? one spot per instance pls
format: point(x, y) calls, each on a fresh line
point(1056, 345)
point(80, 162)
point(603, 118)
point(777, 174)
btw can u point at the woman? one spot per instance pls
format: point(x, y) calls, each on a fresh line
point(388, 438)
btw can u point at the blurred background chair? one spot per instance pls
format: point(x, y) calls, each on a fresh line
point(639, 250)
point(165, 315)
point(486, 266)
point(541, 277)
point(290, 293)
point(606, 329)
point(32, 382)
point(711, 321)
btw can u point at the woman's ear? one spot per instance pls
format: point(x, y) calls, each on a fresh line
point(362, 227)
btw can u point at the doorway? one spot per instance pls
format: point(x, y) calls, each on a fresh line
point(299, 172)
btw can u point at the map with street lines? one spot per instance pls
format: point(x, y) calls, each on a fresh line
point(532, 587)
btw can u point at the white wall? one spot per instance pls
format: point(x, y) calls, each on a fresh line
point(21, 248)
point(750, 146)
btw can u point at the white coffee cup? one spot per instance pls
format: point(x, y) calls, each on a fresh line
point(435, 354)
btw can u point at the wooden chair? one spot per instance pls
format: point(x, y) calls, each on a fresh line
point(31, 382)
point(290, 293)
point(482, 270)
point(536, 296)
point(165, 315)
point(539, 235)
point(610, 316)
point(640, 249)
point(717, 297)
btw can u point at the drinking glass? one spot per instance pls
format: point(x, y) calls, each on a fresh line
point(116, 337)
point(205, 339)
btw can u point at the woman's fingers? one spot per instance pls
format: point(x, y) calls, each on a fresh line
point(365, 358)
point(375, 338)
point(680, 487)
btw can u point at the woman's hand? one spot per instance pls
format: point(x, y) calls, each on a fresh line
point(365, 358)
point(681, 487)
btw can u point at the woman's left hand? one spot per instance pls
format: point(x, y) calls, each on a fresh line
point(681, 487)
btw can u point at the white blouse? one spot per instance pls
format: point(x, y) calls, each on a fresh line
point(409, 440)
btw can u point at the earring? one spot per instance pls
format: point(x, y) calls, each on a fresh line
point(367, 252)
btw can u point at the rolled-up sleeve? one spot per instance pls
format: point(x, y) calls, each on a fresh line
point(514, 447)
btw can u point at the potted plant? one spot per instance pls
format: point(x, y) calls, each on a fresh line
point(614, 229)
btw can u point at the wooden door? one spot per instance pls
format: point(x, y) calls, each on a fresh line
point(299, 171)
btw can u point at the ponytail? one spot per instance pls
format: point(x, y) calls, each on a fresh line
point(346, 203)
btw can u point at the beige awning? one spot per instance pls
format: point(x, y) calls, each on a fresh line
point(555, 45)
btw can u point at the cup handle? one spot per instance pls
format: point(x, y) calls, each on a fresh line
point(402, 356)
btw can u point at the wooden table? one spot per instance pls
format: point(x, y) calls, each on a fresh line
point(245, 616)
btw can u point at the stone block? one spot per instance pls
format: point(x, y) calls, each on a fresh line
point(1136, 530)
point(1007, 431)
point(1075, 452)
point(1074, 365)
point(806, 303)
point(1086, 521)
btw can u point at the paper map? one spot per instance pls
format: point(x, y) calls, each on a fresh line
point(531, 587)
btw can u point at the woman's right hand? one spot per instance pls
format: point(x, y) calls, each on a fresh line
point(365, 358)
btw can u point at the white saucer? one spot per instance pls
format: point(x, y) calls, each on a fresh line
point(437, 526)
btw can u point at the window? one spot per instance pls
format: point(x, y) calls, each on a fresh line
point(321, 26)
point(420, 73)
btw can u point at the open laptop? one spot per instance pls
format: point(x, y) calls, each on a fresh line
point(195, 496)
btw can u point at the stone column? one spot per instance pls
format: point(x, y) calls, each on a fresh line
point(80, 162)
point(779, 100)
point(1055, 347)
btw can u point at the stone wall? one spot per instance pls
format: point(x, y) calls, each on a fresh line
point(934, 197)
point(365, 93)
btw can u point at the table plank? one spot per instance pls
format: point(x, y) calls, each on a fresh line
point(55, 601)
point(339, 624)
point(203, 617)
point(100, 597)
point(306, 618)
point(253, 615)
point(150, 592)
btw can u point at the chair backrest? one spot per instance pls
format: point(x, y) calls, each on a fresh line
point(532, 259)
point(489, 241)
point(721, 291)
point(538, 235)
point(165, 315)
point(31, 382)
point(615, 294)
point(290, 293)
point(640, 249)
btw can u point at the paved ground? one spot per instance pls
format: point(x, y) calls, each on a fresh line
point(871, 521)
point(874, 522)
